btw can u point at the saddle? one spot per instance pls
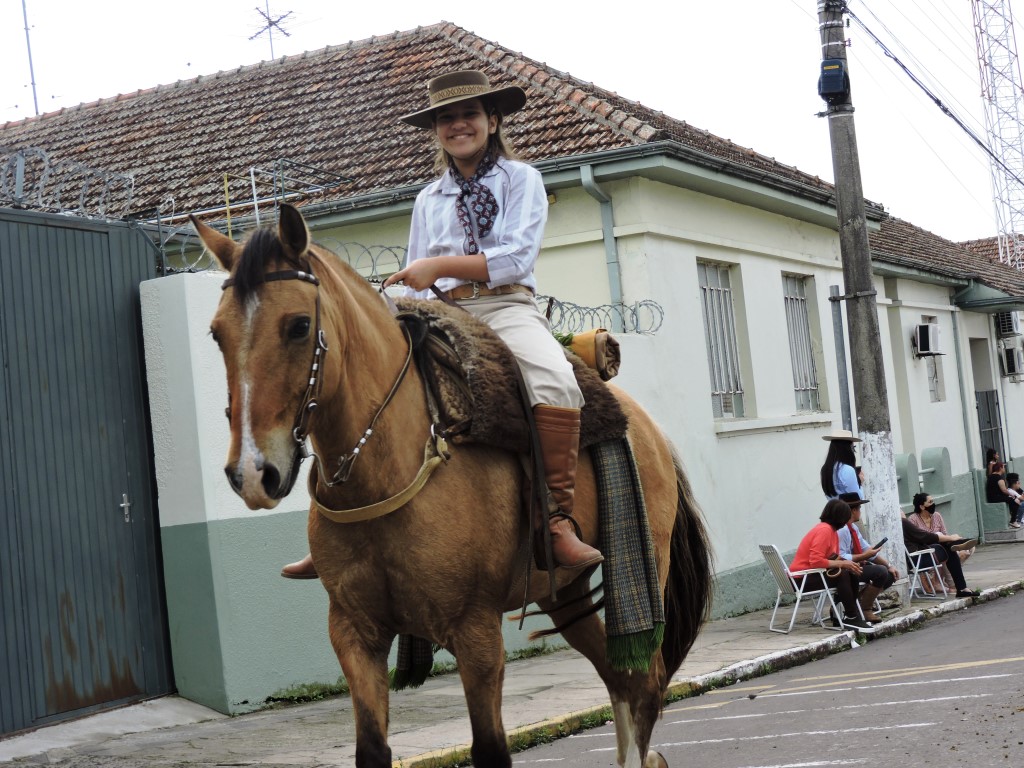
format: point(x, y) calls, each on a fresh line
point(473, 376)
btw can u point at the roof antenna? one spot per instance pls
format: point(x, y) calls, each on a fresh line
point(31, 70)
point(269, 25)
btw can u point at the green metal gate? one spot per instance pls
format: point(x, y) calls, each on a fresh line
point(81, 599)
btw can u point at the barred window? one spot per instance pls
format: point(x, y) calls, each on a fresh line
point(805, 378)
point(720, 335)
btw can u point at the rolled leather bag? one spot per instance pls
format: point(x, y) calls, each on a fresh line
point(599, 350)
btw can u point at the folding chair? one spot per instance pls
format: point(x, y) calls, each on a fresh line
point(795, 583)
point(922, 562)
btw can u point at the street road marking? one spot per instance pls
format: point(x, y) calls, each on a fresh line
point(801, 691)
point(913, 670)
point(811, 765)
point(828, 709)
point(801, 734)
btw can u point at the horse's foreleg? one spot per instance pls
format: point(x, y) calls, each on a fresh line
point(636, 697)
point(480, 652)
point(365, 664)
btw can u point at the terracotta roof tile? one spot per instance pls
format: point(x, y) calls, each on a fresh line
point(336, 109)
point(902, 243)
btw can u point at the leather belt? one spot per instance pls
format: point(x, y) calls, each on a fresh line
point(476, 290)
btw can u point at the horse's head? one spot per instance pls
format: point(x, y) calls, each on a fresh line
point(266, 327)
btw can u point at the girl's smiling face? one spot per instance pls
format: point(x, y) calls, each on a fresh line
point(463, 130)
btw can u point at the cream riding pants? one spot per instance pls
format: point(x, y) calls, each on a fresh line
point(515, 318)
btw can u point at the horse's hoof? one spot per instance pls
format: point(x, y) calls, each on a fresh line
point(655, 760)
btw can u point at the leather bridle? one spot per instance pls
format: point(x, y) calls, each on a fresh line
point(435, 451)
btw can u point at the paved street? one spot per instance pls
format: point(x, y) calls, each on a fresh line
point(950, 693)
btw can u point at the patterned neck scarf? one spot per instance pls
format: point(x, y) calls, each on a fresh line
point(476, 197)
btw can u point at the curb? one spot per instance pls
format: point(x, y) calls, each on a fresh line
point(573, 722)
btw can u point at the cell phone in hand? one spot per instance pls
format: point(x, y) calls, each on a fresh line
point(881, 543)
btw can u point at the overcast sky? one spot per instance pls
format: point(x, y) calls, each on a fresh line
point(745, 70)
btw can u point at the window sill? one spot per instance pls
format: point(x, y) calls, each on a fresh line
point(737, 427)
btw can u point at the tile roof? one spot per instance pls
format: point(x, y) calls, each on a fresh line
point(335, 109)
point(900, 242)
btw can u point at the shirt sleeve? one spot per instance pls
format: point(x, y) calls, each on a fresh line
point(526, 212)
point(417, 239)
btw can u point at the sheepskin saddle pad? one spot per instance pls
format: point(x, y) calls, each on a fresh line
point(476, 380)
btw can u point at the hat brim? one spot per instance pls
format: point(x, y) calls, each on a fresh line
point(830, 438)
point(507, 100)
point(858, 503)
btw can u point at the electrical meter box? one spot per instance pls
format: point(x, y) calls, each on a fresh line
point(833, 83)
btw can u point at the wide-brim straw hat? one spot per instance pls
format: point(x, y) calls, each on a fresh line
point(453, 87)
point(842, 434)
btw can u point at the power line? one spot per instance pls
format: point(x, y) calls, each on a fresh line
point(938, 102)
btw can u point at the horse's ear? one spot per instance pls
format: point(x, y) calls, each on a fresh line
point(221, 246)
point(292, 231)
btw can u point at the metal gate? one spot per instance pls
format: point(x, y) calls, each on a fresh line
point(81, 598)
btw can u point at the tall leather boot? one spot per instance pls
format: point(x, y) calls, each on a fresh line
point(558, 430)
point(867, 602)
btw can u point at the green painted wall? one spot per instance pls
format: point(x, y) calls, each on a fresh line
point(239, 632)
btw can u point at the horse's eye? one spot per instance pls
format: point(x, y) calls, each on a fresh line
point(299, 328)
point(215, 337)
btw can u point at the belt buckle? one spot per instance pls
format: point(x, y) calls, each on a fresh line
point(476, 290)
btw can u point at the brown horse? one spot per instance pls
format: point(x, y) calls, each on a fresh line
point(444, 565)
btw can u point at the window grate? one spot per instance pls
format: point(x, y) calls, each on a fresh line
point(805, 378)
point(720, 335)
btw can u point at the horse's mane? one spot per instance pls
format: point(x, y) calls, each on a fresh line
point(261, 248)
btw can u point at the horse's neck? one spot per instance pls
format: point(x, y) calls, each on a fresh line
point(357, 379)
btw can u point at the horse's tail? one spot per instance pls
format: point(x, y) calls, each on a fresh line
point(690, 576)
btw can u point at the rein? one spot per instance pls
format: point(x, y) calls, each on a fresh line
point(435, 452)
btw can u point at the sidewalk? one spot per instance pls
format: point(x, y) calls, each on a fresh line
point(429, 726)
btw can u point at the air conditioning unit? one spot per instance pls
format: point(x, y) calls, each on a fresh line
point(1007, 324)
point(926, 339)
point(1013, 361)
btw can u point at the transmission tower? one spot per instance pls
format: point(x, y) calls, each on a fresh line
point(1001, 92)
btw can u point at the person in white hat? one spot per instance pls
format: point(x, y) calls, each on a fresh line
point(839, 472)
point(475, 237)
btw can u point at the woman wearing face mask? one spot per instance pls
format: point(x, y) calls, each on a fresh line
point(918, 534)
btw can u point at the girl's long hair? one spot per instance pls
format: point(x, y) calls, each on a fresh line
point(839, 452)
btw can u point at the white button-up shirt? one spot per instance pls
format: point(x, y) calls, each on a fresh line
point(512, 245)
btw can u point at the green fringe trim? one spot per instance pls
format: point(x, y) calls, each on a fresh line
point(632, 653)
point(409, 678)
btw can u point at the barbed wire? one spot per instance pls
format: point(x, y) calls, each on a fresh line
point(644, 317)
point(30, 178)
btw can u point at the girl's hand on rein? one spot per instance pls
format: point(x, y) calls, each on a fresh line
point(419, 275)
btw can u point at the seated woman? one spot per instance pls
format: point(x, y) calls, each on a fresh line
point(944, 548)
point(820, 549)
point(876, 573)
point(997, 490)
point(926, 518)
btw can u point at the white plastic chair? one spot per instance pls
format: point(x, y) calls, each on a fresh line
point(923, 561)
point(795, 583)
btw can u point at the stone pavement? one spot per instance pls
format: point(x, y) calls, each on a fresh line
point(551, 694)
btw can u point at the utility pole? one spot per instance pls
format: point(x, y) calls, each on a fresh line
point(869, 391)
